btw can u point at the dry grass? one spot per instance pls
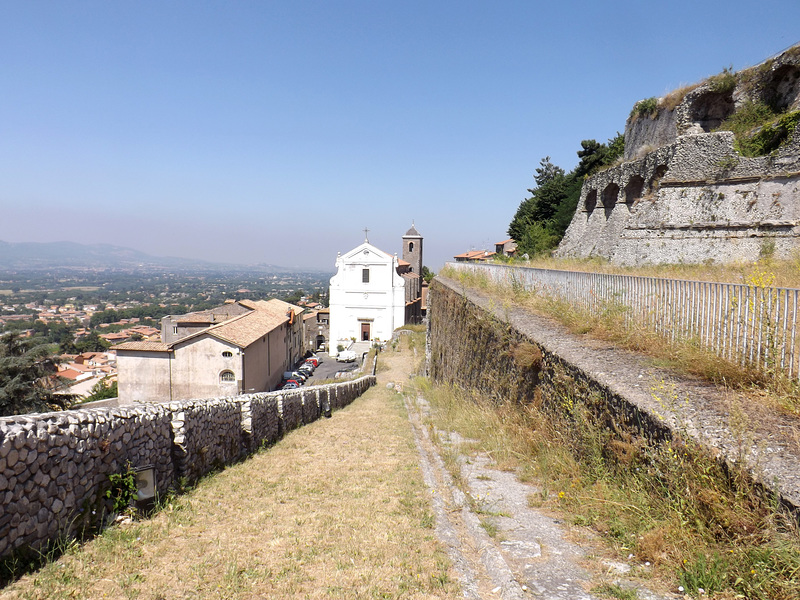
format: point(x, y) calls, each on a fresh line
point(772, 391)
point(671, 506)
point(337, 509)
point(675, 97)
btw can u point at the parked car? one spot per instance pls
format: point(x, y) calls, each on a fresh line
point(295, 375)
point(346, 356)
point(312, 361)
point(289, 385)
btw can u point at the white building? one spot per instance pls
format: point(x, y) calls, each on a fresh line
point(234, 349)
point(367, 297)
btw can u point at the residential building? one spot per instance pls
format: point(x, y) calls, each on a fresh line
point(506, 248)
point(474, 256)
point(246, 352)
point(317, 329)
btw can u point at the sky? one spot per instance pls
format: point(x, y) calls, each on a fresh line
point(276, 132)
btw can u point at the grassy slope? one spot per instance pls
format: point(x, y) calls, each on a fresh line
point(337, 509)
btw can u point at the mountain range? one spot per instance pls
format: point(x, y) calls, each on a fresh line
point(53, 255)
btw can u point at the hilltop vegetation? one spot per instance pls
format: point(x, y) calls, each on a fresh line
point(541, 219)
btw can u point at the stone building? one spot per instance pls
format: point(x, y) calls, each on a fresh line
point(684, 192)
point(244, 348)
point(317, 329)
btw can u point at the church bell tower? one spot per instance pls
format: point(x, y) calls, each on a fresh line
point(412, 249)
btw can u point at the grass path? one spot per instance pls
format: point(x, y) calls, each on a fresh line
point(337, 509)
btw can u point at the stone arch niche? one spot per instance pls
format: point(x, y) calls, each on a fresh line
point(660, 171)
point(591, 201)
point(633, 191)
point(710, 109)
point(610, 195)
point(783, 90)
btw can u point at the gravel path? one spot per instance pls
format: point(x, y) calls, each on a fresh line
point(533, 555)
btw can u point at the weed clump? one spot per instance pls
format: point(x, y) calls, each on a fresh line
point(724, 82)
point(759, 130)
point(647, 108)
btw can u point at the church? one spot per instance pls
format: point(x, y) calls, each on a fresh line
point(374, 292)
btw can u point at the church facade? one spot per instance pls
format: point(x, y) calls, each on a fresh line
point(373, 292)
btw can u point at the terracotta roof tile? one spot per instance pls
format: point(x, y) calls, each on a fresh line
point(143, 346)
point(246, 329)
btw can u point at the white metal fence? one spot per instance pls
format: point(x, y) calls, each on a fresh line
point(746, 324)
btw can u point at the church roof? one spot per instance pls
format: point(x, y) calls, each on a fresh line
point(412, 232)
point(358, 250)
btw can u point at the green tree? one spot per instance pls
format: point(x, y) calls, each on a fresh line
point(92, 343)
point(103, 390)
point(427, 274)
point(294, 297)
point(542, 219)
point(27, 374)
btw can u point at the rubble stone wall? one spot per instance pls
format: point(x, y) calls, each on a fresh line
point(55, 467)
point(692, 201)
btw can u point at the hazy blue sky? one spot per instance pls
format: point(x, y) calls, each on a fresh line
point(276, 131)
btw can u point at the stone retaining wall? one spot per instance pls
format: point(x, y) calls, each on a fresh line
point(265, 426)
point(290, 407)
point(481, 343)
point(206, 434)
point(55, 467)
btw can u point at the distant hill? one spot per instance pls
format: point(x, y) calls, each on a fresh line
point(53, 255)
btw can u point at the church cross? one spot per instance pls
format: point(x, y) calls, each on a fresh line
point(366, 231)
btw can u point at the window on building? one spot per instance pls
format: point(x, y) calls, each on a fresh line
point(410, 246)
point(227, 354)
point(174, 329)
point(364, 275)
point(227, 377)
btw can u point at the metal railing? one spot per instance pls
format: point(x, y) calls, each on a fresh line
point(752, 324)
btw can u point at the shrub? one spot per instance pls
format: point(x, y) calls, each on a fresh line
point(723, 83)
point(770, 137)
point(645, 108)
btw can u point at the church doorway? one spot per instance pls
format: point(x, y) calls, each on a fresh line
point(365, 332)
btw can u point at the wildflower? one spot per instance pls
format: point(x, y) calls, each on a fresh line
point(561, 495)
